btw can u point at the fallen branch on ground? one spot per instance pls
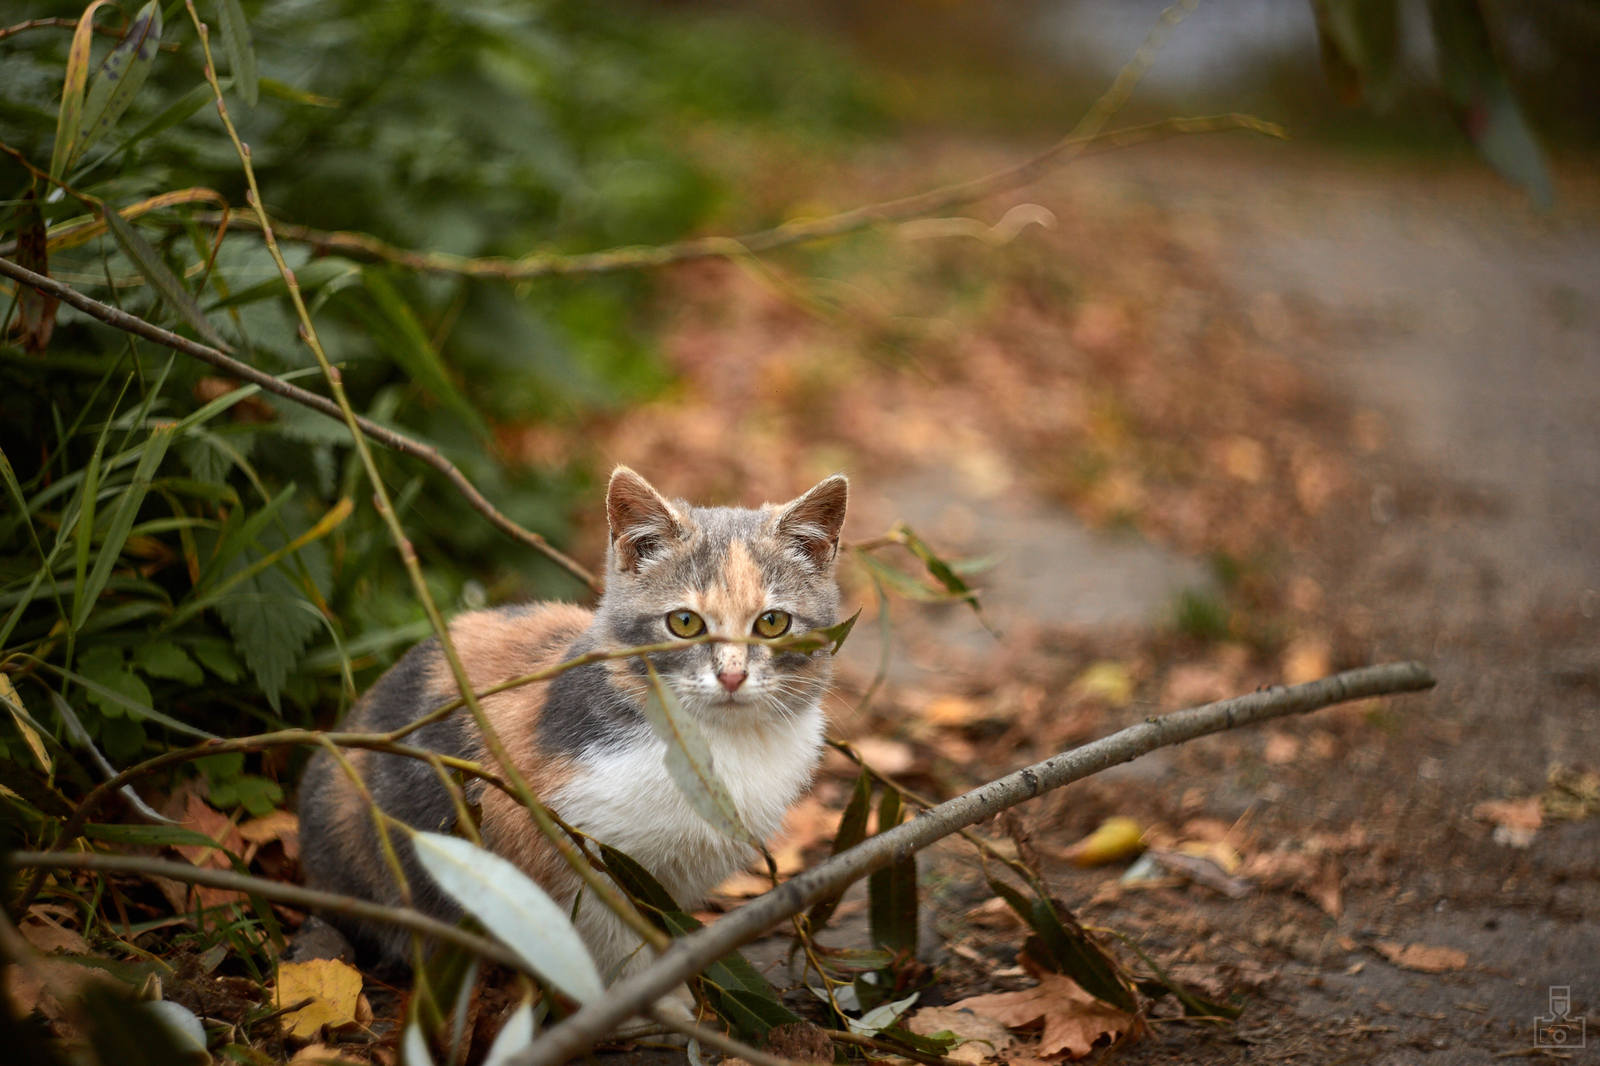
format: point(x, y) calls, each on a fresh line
point(691, 954)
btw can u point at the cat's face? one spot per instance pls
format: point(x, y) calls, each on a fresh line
point(675, 572)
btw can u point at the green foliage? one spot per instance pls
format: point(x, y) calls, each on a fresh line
point(181, 557)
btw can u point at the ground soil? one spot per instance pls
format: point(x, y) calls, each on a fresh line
point(1371, 388)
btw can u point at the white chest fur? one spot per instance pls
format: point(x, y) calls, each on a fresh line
point(625, 798)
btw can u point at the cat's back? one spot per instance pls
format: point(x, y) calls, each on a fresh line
point(340, 846)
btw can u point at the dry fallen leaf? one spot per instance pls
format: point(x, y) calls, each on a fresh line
point(886, 756)
point(1424, 958)
point(324, 1055)
point(1106, 680)
point(1281, 748)
point(981, 1036)
point(50, 937)
point(1073, 1019)
point(333, 987)
point(952, 711)
point(281, 826)
point(1306, 659)
point(1515, 821)
point(1115, 838)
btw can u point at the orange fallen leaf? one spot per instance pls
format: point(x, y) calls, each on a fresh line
point(333, 987)
point(1424, 958)
point(1073, 1019)
point(281, 826)
point(952, 711)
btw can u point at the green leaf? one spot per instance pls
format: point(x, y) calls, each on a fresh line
point(127, 509)
point(241, 51)
point(817, 639)
point(216, 656)
point(413, 350)
point(1069, 950)
point(892, 891)
point(69, 120)
point(122, 698)
point(109, 684)
point(271, 623)
point(902, 583)
point(148, 262)
point(688, 761)
point(165, 659)
point(119, 79)
point(148, 835)
point(1485, 105)
point(734, 988)
point(514, 909)
point(852, 831)
point(937, 567)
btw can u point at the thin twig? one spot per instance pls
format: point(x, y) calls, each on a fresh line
point(399, 442)
point(294, 895)
point(552, 264)
point(689, 955)
point(717, 1039)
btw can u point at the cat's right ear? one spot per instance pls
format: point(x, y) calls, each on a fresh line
point(642, 521)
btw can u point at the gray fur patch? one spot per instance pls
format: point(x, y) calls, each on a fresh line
point(584, 712)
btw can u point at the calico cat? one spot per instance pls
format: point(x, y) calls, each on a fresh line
point(581, 740)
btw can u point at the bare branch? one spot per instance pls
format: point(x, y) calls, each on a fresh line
point(691, 954)
point(399, 442)
point(641, 257)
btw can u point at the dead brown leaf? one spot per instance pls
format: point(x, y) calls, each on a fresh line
point(50, 936)
point(1424, 958)
point(1073, 1019)
point(981, 1036)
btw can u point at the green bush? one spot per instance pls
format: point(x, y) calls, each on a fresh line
point(180, 556)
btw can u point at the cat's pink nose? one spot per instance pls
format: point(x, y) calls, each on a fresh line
point(731, 680)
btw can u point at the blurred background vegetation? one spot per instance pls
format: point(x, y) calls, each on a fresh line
point(145, 587)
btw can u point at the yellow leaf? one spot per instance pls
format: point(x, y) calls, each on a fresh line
point(1108, 681)
point(1116, 838)
point(333, 987)
point(13, 701)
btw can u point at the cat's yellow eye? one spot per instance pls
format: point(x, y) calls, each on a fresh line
point(772, 624)
point(685, 623)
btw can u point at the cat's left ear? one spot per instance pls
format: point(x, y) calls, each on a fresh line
point(811, 523)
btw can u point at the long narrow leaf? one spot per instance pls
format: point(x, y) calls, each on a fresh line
point(689, 763)
point(132, 706)
point(852, 831)
point(241, 50)
point(121, 523)
point(412, 349)
point(119, 79)
point(148, 262)
point(69, 120)
point(514, 909)
point(892, 891)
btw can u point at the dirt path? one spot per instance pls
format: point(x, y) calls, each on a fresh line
point(1373, 391)
point(1474, 329)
